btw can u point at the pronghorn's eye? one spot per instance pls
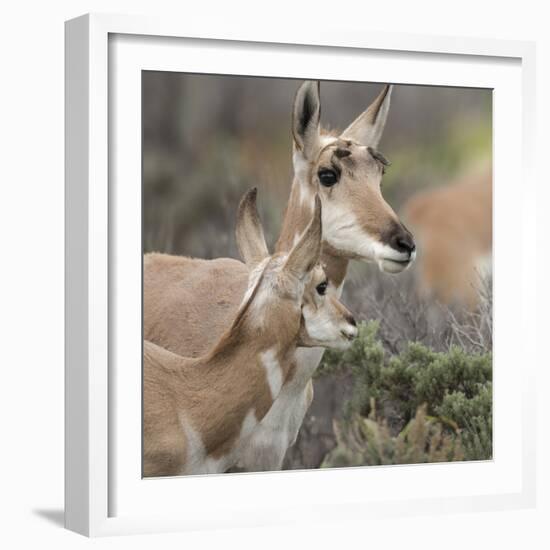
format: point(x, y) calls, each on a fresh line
point(322, 288)
point(327, 177)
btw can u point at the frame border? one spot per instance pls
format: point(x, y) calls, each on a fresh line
point(87, 242)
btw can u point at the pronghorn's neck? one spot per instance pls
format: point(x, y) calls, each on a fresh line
point(256, 373)
point(237, 386)
point(297, 215)
point(251, 354)
point(199, 412)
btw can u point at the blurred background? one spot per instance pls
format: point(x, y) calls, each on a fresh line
point(207, 139)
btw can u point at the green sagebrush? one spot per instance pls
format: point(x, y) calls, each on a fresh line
point(417, 406)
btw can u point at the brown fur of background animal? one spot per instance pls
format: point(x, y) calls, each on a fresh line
point(453, 225)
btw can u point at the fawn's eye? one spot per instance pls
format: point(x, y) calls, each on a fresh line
point(327, 177)
point(322, 288)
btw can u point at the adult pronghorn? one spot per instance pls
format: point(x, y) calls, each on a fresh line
point(188, 302)
point(460, 213)
point(199, 413)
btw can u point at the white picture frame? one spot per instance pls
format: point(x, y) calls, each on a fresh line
point(104, 491)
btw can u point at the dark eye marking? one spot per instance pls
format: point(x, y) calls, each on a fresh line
point(377, 155)
point(328, 177)
point(322, 288)
point(342, 153)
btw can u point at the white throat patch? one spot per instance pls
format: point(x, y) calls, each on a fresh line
point(273, 371)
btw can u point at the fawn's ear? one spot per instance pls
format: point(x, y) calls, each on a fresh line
point(305, 254)
point(249, 231)
point(306, 116)
point(367, 128)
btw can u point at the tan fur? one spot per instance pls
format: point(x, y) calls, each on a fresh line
point(453, 225)
point(178, 292)
point(188, 302)
point(213, 394)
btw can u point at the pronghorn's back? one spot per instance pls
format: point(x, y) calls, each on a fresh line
point(453, 227)
point(176, 291)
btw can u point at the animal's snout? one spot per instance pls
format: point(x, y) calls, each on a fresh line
point(403, 241)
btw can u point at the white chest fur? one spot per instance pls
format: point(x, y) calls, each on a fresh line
point(199, 462)
point(266, 448)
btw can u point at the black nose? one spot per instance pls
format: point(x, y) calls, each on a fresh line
point(351, 320)
point(403, 241)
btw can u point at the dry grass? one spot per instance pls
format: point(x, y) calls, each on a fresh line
point(406, 316)
point(368, 441)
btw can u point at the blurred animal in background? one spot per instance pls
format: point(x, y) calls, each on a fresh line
point(199, 413)
point(453, 227)
point(189, 302)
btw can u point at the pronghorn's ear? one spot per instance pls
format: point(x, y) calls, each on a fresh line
point(249, 231)
point(306, 117)
point(304, 256)
point(367, 128)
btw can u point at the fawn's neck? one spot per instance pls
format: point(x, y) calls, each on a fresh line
point(239, 384)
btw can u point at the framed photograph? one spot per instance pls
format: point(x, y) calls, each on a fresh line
point(297, 275)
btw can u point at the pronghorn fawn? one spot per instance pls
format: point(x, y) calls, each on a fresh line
point(199, 413)
point(454, 226)
point(189, 302)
